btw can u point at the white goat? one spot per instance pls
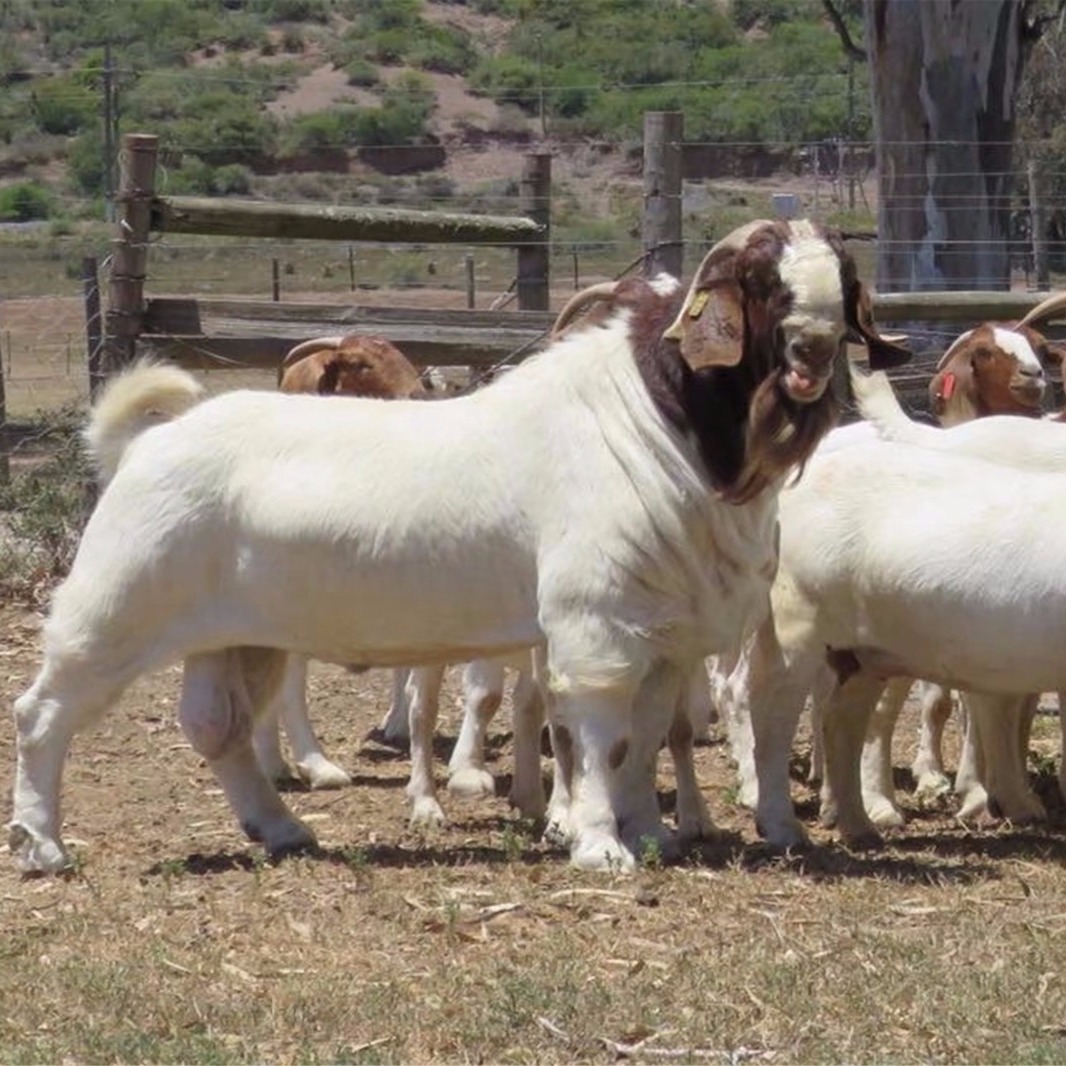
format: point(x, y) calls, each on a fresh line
point(616, 508)
point(904, 560)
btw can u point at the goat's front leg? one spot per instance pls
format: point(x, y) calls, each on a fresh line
point(774, 690)
point(596, 726)
point(219, 693)
point(423, 693)
point(935, 705)
point(728, 678)
point(482, 696)
point(878, 784)
point(395, 728)
point(527, 783)
point(289, 705)
point(1002, 721)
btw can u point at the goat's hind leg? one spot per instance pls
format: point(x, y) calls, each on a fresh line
point(220, 691)
point(65, 698)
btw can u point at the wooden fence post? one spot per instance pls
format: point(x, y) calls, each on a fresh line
point(471, 282)
point(129, 256)
point(534, 260)
point(5, 442)
point(661, 223)
point(94, 324)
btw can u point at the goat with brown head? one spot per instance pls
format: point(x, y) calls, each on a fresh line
point(744, 359)
point(996, 369)
point(352, 365)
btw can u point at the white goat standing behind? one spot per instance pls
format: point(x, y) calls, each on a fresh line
point(902, 559)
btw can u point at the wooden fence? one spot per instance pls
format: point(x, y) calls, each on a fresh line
point(212, 333)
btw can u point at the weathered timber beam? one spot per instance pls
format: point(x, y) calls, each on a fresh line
point(181, 315)
point(266, 352)
point(972, 307)
point(254, 218)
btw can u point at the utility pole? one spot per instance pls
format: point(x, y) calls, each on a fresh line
point(110, 134)
point(540, 86)
point(850, 161)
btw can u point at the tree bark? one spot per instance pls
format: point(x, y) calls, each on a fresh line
point(943, 78)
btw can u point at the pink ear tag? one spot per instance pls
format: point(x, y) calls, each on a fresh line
point(947, 386)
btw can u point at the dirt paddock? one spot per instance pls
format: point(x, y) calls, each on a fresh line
point(176, 941)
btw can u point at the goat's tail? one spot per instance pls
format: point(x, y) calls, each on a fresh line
point(142, 396)
point(878, 404)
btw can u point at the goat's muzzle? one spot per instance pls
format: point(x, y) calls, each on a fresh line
point(1028, 387)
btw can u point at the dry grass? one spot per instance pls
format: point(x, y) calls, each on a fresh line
point(177, 942)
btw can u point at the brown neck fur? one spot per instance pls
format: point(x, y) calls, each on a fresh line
point(749, 433)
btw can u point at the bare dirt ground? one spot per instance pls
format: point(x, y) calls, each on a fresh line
point(175, 941)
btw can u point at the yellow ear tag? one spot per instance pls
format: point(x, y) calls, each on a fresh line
point(699, 302)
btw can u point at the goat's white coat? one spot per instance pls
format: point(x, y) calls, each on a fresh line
point(924, 564)
point(555, 503)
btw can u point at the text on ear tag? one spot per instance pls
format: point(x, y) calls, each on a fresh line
point(699, 302)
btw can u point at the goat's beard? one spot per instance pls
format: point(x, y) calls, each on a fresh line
point(781, 435)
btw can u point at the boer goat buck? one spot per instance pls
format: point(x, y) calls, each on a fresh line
point(611, 502)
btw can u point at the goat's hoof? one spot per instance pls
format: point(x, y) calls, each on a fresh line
point(472, 782)
point(427, 813)
point(783, 835)
point(702, 830)
point(557, 830)
point(35, 854)
point(321, 774)
point(530, 806)
point(287, 838)
point(863, 840)
point(932, 785)
point(883, 813)
point(601, 851)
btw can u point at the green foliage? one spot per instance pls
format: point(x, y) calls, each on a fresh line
point(24, 202)
point(293, 10)
point(196, 177)
point(85, 163)
point(360, 72)
point(766, 13)
point(402, 117)
point(64, 105)
point(443, 48)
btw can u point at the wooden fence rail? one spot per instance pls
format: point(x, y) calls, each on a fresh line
point(207, 333)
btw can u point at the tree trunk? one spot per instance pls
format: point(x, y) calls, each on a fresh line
point(944, 76)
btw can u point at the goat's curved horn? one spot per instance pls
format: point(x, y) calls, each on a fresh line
point(578, 302)
point(1045, 309)
point(306, 348)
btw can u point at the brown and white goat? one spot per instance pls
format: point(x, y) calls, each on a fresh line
point(352, 365)
point(617, 512)
point(996, 369)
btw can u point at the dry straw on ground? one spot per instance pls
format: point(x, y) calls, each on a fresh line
point(177, 942)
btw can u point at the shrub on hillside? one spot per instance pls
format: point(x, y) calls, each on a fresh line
point(63, 105)
point(24, 202)
point(293, 10)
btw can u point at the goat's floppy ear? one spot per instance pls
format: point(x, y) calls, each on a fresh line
point(710, 326)
point(1055, 353)
point(951, 377)
point(884, 350)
